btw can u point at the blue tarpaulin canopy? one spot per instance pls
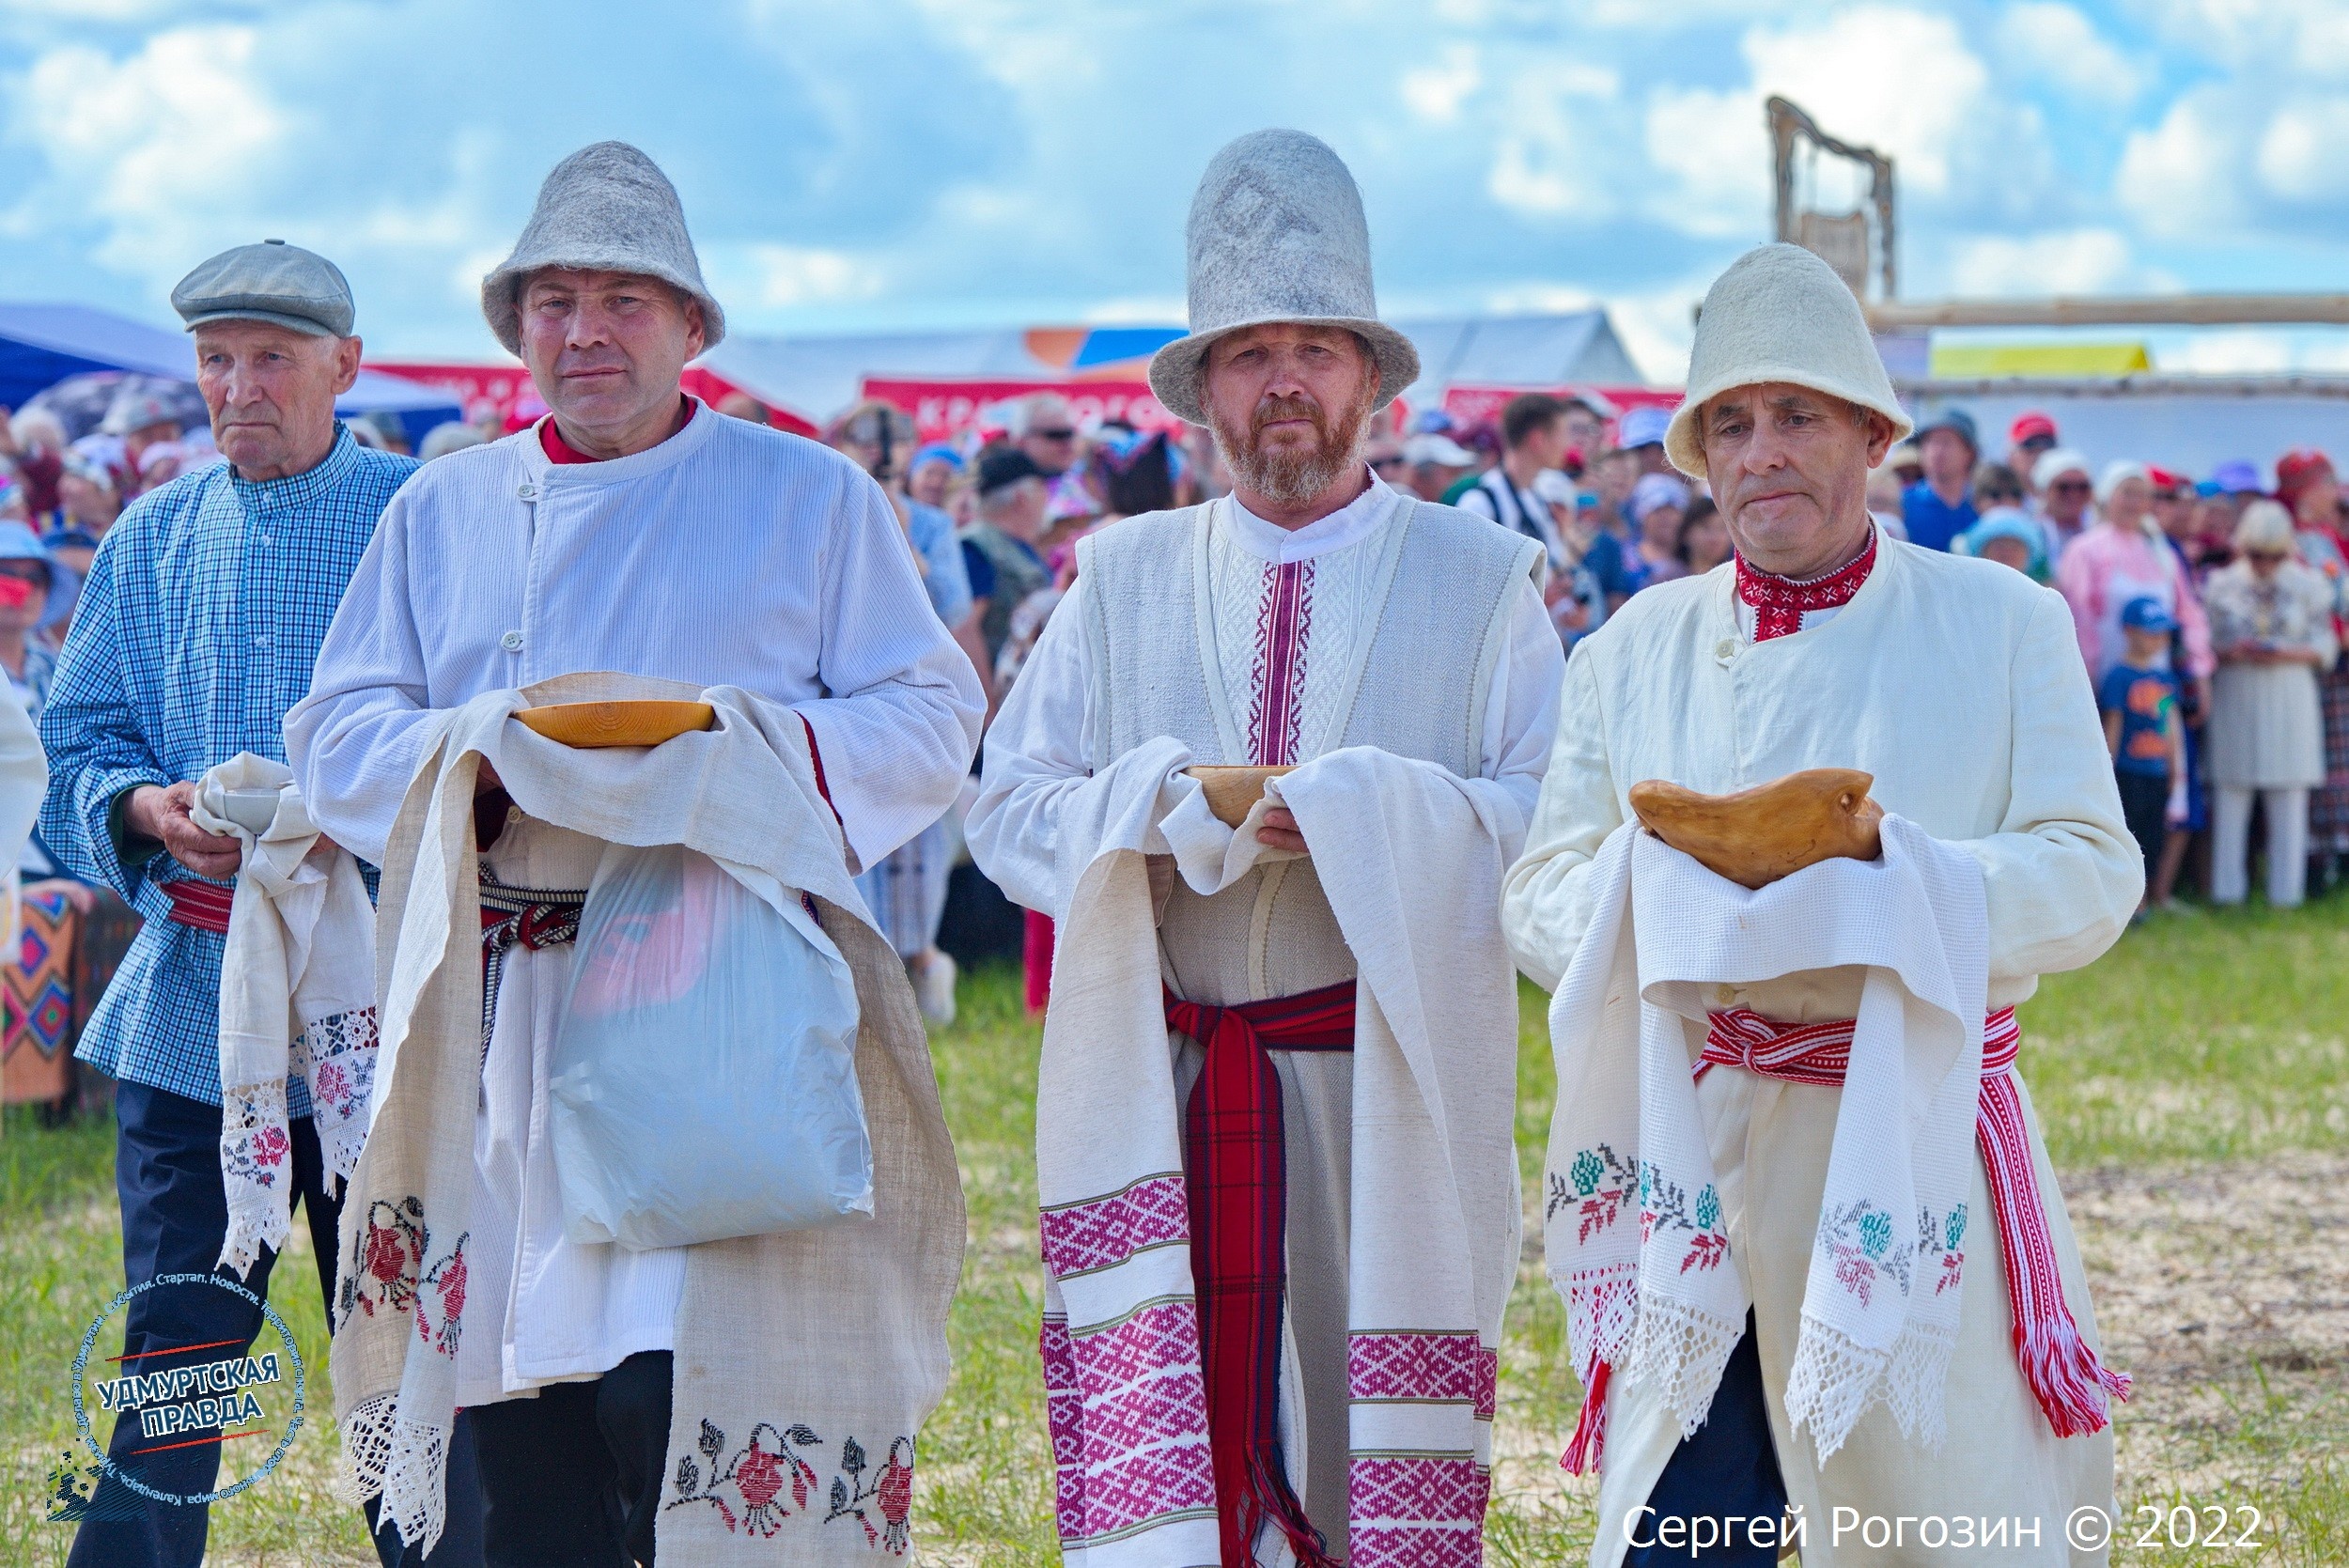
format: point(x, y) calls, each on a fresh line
point(42, 344)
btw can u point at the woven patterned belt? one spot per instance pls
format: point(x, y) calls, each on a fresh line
point(202, 905)
point(1235, 1151)
point(532, 918)
point(2064, 1374)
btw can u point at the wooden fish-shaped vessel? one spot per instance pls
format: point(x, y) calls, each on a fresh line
point(1233, 792)
point(1758, 835)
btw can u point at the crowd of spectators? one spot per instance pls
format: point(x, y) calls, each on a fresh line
point(2210, 612)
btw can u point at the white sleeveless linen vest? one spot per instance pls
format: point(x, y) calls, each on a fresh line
point(1431, 625)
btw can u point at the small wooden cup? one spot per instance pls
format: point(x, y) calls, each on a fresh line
point(1233, 792)
point(629, 723)
point(1758, 835)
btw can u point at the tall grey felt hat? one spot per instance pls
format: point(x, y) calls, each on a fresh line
point(1276, 234)
point(1780, 314)
point(607, 207)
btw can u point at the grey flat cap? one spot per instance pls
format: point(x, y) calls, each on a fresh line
point(607, 207)
point(273, 282)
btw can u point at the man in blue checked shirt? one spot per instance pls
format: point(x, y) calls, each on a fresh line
point(196, 632)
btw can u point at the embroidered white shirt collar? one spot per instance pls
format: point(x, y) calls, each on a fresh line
point(1271, 543)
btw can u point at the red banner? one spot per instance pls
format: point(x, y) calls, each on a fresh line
point(507, 388)
point(1480, 405)
point(942, 409)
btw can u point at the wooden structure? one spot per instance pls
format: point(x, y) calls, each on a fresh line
point(1843, 239)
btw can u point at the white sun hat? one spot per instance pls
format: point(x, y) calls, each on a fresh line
point(1780, 314)
point(1276, 234)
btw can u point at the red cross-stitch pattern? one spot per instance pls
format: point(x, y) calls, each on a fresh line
point(1416, 1546)
point(1145, 1415)
point(1284, 626)
point(1063, 1417)
point(1422, 1367)
point(1105, 1231)
point(1779, 602)
point(1416, 1512)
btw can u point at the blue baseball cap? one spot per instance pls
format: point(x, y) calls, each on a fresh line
point(2237, 477)
point(1644, 426)
point(2146, 615)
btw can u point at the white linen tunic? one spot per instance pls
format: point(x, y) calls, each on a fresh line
point(729, 555)
point(1044, 737)
point(1958, 684)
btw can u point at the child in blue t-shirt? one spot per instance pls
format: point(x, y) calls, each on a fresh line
point(2140, 703)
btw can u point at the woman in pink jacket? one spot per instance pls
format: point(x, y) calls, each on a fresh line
point(2125, 557)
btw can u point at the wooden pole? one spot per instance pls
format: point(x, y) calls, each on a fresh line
point(2153, 310)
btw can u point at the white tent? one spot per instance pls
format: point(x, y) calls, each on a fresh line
point(816, 375)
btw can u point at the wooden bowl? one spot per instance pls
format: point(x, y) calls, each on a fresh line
point(1232, 791)
point(636, 724)
point(1758, 835)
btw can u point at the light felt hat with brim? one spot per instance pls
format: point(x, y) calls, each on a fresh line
point(1780, 314)
point(605, 209)
point(1276, 234)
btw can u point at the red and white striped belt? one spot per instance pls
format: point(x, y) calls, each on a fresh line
point(2064, 1374)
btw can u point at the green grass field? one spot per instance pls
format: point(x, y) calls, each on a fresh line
point(2194, 1085)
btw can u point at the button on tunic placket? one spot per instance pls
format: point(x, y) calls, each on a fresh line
point(516, 640)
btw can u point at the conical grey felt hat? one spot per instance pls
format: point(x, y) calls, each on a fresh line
point(607, 207)
point(1276, 234)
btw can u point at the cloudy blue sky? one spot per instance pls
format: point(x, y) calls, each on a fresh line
point(872, 164)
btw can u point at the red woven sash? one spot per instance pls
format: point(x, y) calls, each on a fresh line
point(201, 904)
point(2064, 1374)
point(1236, 1177)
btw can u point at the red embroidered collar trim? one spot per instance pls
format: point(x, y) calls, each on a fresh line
point(1779, 602)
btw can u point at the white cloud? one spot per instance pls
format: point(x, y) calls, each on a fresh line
point(166, 144)
point(785, 277)
point(1551, 141)
point(2299, 157)
point(1903, 82)
point(2241, 159)
point(1138, 310)
point(1433, 93)
point(1714, 151)
point(1900, 80)
point(2183, 177)
point(2269, 37)
point(2049, 42)
point(2075, 261)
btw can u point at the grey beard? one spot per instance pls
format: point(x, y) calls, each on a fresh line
point(1291, 479)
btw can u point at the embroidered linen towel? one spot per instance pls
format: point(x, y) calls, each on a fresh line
point(745, 1429)
point(1662, 1303)
point(1403, 847)
point(296, 994)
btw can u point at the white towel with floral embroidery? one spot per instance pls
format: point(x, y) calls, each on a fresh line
point(1663, 1304)
point(296, 994)
point(805, 1361)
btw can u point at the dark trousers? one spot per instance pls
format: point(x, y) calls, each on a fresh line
point(1726, 1471)
point(572, 1478)
point(2145, 807)
point(175, 1216)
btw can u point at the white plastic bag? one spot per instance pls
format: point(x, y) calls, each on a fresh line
point(703, 1079)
